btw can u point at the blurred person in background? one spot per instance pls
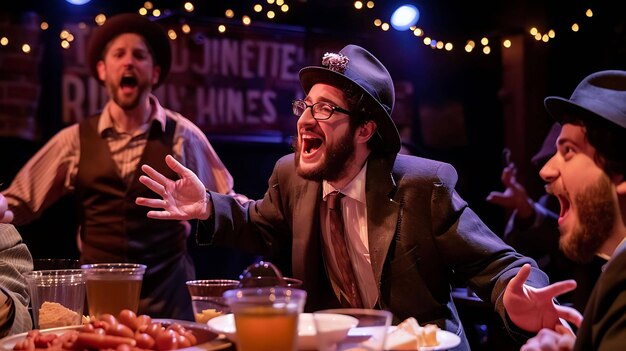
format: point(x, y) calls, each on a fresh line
point(97, 160)
point(15, 259)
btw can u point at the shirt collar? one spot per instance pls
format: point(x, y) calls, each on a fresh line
point(158, 115)
point(354, 190)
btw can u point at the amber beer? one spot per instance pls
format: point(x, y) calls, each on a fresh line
point(266, 328)
point(266, 318)
point(112, 296)
point(112, 287)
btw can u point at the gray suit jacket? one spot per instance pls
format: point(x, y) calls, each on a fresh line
point(15, 259)
point(422, 237)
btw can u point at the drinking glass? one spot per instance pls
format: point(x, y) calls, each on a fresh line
point(206, 297)
point(113, 287)
point(266, 318)
point(57, 297)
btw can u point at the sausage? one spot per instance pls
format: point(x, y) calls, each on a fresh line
point(98, 341)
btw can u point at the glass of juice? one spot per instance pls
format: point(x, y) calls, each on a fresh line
point(266, 318)
point(113, 287)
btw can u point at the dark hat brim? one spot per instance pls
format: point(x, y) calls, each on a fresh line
point(560, 109)
point(152, 32)
point(309, 76)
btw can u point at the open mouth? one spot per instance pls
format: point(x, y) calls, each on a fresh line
point(565, 206)
point(128, 82)
point(310, 144)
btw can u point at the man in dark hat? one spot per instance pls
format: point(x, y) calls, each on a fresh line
point(364, 226)
point(533, 230)
point(97, 159)
point(588, 176)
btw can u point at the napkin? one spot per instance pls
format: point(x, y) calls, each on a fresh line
point(409, 335)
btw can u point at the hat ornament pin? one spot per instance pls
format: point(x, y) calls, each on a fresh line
point(335, 62)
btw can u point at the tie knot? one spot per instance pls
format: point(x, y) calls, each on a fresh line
point(334, 200)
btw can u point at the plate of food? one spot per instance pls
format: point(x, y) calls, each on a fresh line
point(409, 335)
point(197, 337)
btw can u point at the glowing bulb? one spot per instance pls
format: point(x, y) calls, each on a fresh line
point(551, 33)
point(486, 50)
point(156, 12)
point(246, 20)
point(545, 38)
point(378, 22)
point(100, 19)
point(270, 1)
point(404, 17)
point(448, 46)
point(533, 31)
point(384, 26)
point(65, 44)
point(26, 48)
point(271, 14)
point(44, 25)
point(185, 28)
point(427, 41)
point(4, 41)
point(284, 8)
point(440, 45)
point(370, 4)
point(188, 6)
point(418, 32)
point(589, 13)
point(148, 5)
point(221, 28)
point(469, 48)
point(280, 2)
point(258, 8)
point(142, 11)
point(538, 36)
point(471, 43)
point(484, 41)
point(358, 5)
point(172, 34)
point(575, 27)
point(506, 43)
point(64, 34)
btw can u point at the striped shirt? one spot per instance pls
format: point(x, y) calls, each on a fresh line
point(51, 172)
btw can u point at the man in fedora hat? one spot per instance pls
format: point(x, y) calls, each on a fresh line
point(533, 230)
point(97, 159)
point(363, 226)
point(588, 176)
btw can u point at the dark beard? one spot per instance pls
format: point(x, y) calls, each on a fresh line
point(335, 162)
point(596, 215)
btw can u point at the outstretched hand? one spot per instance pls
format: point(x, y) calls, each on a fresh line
point(532, 309)
point(6, 215)
point(182, 199)
point(514, 196)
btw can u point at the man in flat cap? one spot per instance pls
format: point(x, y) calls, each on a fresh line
point(588, 176)
point(97, 159)
point(364, 226)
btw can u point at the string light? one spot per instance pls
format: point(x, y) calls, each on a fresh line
point(44, 25)
point(221, 28)
point(575, 27)
point(188, 7)
point(358, 5)
point(143, 11)
point(229, 13)
point(185, 28)
point(4, 41)
point(506, 43)
point(370, 4)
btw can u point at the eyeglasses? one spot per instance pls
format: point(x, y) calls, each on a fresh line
point(320, 110)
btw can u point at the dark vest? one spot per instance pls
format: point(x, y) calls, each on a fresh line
point(115, 229)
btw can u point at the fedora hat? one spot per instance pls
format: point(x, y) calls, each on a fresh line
point(355, 67)
point(153, 34)
point(601, 94)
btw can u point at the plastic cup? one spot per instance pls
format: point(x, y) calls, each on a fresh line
point(369, 334)
point(266, 318)
point(113, 287)
point(57, 297)
point(41, 264)
point(206, 297)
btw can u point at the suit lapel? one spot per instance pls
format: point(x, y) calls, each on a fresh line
point(306, 238)
point(382, 211)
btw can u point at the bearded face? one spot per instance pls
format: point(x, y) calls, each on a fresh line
point(596, 213)
point(333, 164)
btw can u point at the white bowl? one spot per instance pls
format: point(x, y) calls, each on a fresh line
point(225, 324)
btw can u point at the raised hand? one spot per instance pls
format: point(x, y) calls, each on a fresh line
point(532, 309)
point(183, 199)
point(6, 215)
point(514, 196)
